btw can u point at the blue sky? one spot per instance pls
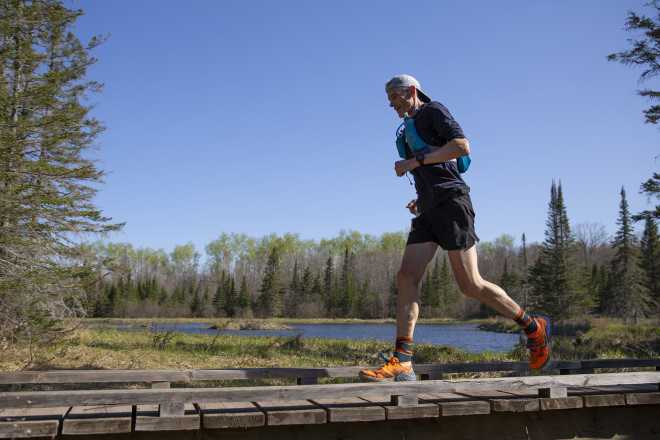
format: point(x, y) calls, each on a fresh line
point(262, 117)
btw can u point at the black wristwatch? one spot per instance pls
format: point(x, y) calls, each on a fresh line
point(420, 159)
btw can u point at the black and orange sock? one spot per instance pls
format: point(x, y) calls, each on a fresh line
point(526, 322)
point(403, 349)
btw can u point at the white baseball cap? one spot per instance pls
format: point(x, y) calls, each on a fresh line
point(407, 81)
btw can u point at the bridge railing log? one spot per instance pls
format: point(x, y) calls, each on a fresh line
point(303, 375)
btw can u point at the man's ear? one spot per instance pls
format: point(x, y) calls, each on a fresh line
point(413, 92)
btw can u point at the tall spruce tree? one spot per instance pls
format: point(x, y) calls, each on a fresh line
point(427, 292)
point(392, 297)
point(628, 294)
point(272, 287)
point(47, 179)
point(555, 277)
point(244, 298)
point(447, 292)
point(650, 258)
point(349, 290)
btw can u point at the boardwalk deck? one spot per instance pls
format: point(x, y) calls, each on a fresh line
point(605, 405)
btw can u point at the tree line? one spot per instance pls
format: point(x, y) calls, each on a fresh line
point(575, 271)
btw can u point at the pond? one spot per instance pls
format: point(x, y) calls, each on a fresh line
point(463, 336)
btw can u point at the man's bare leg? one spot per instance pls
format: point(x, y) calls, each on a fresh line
point(538, 329)
point(466, 271)
point(413, 265)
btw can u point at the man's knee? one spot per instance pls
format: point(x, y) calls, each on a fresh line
point(409, 275)
point(469, 288)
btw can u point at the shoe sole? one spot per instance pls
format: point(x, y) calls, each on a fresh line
point(403, 377)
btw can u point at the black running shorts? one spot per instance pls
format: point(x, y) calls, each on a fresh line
point(450, 225)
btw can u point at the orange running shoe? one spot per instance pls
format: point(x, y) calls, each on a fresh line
point(392, 370)
point(539, 343)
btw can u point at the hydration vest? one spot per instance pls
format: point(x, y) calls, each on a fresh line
point(418, 146)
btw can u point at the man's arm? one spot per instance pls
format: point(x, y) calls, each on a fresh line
point(453, 149)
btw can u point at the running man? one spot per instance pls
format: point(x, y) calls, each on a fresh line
point(443, 217)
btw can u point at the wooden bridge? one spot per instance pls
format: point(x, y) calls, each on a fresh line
point(569, 400)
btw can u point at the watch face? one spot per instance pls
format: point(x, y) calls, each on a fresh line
point(420, 157)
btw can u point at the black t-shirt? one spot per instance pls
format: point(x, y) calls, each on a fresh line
point(438, 182)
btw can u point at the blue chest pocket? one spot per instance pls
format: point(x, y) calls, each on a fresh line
point(414, 141)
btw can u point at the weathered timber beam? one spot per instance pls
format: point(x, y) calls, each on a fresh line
point(620, 363)
point(110, 376)
point(29, 399)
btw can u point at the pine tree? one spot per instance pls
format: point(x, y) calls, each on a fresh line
point(306, 282)
point(524, 277)
point(220, 298)
point(629, 293)
point(393, 297)
point(196, 306)
point(47, 183)
point(447, 291)
point(317, 286)
point(508, 280)
point(427, 292)
point(555, 276)
point(650, 258)
point(272, 288)
point(230, 296)
point(651, 188)
point(645, 52)
point(294, 285)
point(330, 290)
point(436, 279)
point(348, 289)
point(244, 299)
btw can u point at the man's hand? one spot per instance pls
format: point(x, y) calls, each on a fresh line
point(412, 207)
point(403, 166)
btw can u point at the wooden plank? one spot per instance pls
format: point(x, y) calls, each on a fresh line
point(31, 422)
point(504, 402)
point(292, 412)
point(98, 419)
point(231, 415)
point(554, 403)
point(643, 398)
point(621, 363)
point(395, 412)
point(595, 397)
point(351, 409)
point(450, 404)
point(147, 419)
point(294, 392)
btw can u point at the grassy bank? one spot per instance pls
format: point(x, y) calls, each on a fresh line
point(103, 348)
point(110, 349)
